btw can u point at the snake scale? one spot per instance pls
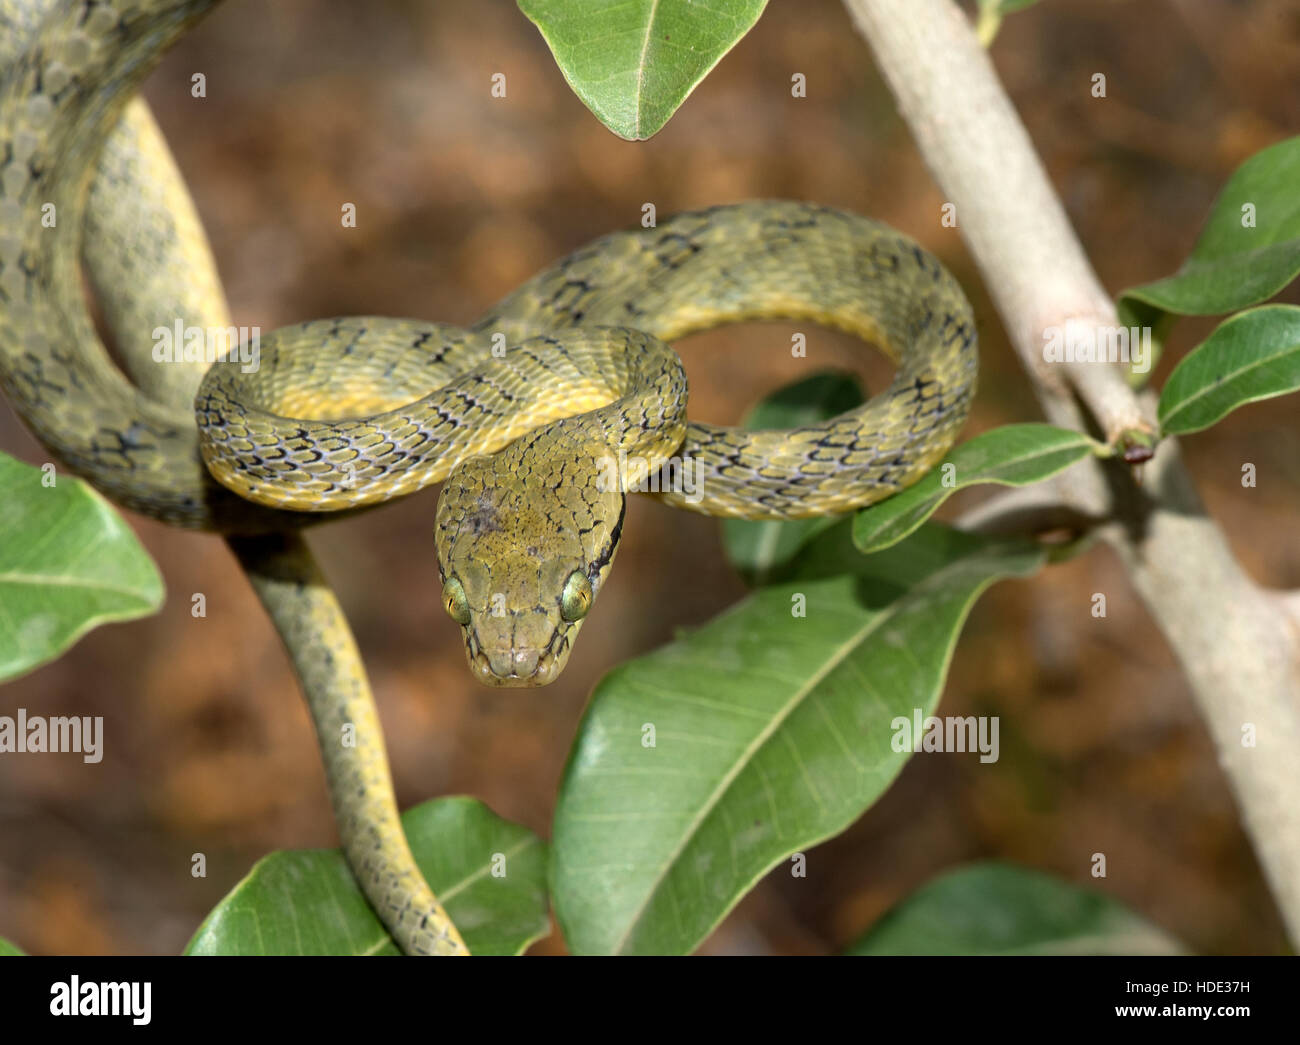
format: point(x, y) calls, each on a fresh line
point(538, 419)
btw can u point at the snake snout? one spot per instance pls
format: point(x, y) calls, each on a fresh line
point(514, 667)
point(517, 662)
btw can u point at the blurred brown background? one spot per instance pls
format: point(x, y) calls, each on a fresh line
point(461, 196)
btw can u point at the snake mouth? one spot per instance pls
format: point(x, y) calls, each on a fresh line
point(546, 672)
point(549, 664)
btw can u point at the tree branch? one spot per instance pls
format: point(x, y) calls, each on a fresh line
point(1028, 510)
point(1290, 601)
point(1235, 641)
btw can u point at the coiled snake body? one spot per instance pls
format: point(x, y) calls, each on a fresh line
point(538, 418)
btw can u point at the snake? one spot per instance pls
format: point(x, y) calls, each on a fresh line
point(538, 419)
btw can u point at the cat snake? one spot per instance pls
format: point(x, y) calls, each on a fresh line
point(538, 419)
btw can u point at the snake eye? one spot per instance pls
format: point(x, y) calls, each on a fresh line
point(575, 600)
point(454, 601)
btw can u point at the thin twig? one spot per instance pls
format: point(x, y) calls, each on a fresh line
point(1028, 510)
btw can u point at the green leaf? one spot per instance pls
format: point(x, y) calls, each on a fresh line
point(8, 950)
point(992, 908)
point(307, 902)
point(1233, 266)
point(771, 733)
point(991, 14)
point(633, 62)
point(68, 562)
point(1250, 356)
point(1013, 455)
point(760, 549)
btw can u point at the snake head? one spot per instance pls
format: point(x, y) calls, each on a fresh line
point(525, 539)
